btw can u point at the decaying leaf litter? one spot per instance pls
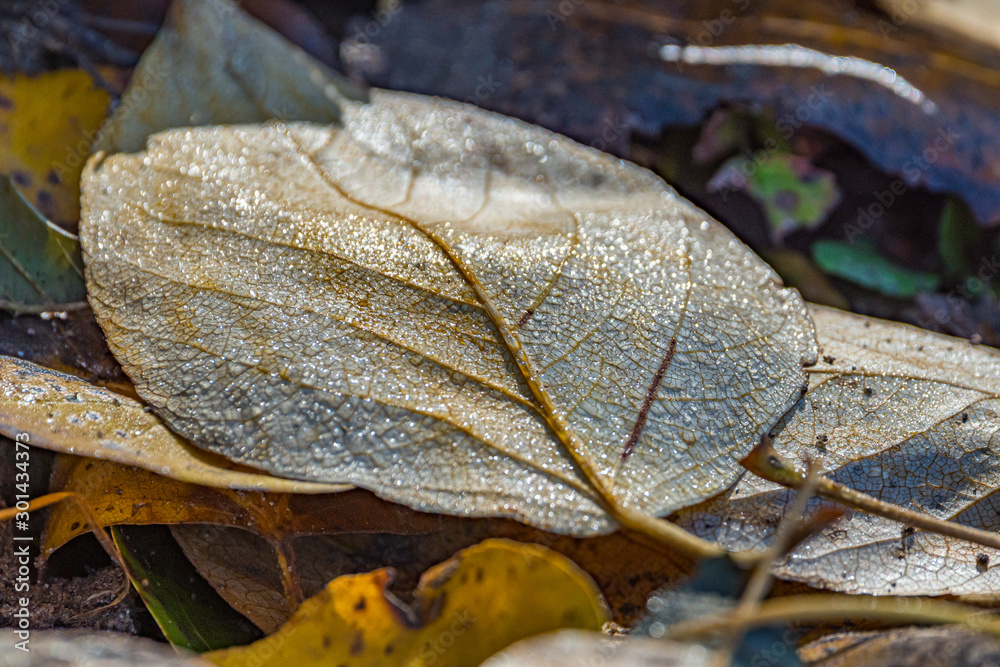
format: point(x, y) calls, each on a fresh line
point(523, 209)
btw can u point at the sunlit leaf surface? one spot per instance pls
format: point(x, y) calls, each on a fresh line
point(451, 308)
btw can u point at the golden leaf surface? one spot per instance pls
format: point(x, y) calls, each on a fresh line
point(476, 603)
point(907, 416)
point(63, 413)
point(120, 494)
point(454, 309)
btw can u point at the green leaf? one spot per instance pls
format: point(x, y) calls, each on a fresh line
point(212, 64)
point(958, 237)
point(188, 610)
point(862, 265)
point(40, 264)
point(793, 193)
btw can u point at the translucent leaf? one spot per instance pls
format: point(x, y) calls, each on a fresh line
point(456, 310)
point(907, 416)
point(65, 414)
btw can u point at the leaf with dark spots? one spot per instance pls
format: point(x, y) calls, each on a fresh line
point(529, 590)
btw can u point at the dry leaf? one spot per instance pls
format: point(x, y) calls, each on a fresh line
point(125, 495)
point(466, 608)
point(904, 415)
point(458, 311)
point(243, 569)
point(905, 647)
point(65, 414)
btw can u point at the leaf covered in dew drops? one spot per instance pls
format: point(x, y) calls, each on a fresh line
point(63, 413)
point(348, 305)
point(907, 416)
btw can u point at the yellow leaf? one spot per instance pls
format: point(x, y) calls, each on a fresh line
point(47, 125)
point(125, 495)
point(467, 608)
point(244, 569)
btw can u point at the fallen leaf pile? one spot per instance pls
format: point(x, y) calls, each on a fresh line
point(414, 382)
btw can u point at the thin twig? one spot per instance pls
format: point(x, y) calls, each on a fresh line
point(765, 462)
